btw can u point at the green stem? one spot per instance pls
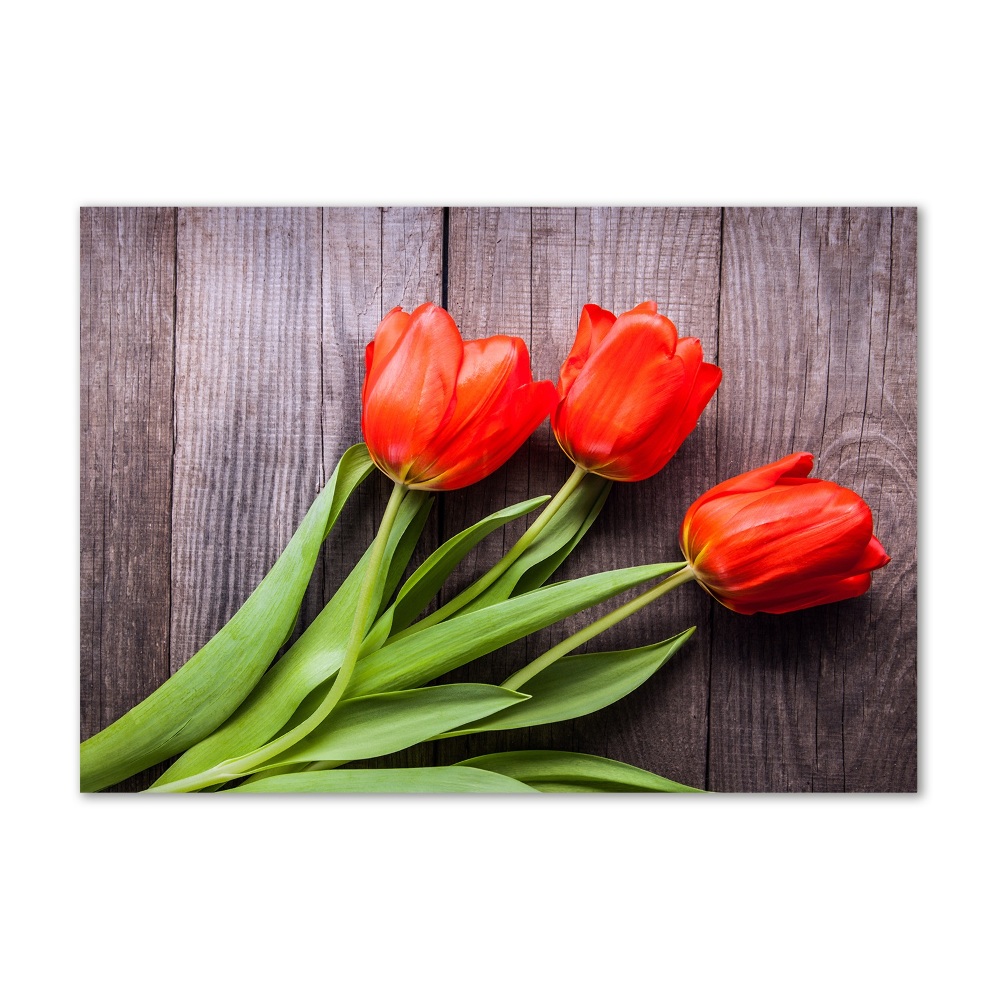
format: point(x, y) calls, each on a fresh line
point(324, 765)
point(237, 767)
point(475, 589)
point(522, 676)
point(315, 765)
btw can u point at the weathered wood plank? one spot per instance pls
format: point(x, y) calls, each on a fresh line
point(489, 292)
point(530, 272)
point(373, 260)
point(126, 373)
point(248, 454)
point(819, 355)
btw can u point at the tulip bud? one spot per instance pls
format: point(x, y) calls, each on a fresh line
point(773, 540)
point(630, 392)
point(440, 413)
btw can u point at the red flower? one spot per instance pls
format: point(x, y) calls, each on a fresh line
point(630, 392)
point(773, 540)
point(438, 412)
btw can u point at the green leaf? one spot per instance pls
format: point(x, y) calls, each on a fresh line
point(430, 576)
point(212, 684)
point(551, 548)
point(420, 657)
point(532, 574)
point(558, 770)
point(401, 551)
point(315, 657)
point(394, 780)
point(578, 685)
point(378, 724)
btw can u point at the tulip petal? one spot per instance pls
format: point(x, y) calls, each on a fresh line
point(595, 324)
point(707, 379)
point(411, 387)
point(874, 557)
point(387, 336)
point(483, 446)
point(645, 456)
point(704, 379)
point(794, 544)
point(813, 530)
point(828, 593)
point(794, 466)
point(438, 412)
point(699, 534)
point(630, 394)
point(491, 369)
point(619, 396)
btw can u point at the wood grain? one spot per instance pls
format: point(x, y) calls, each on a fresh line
point(374, 259)
point(819, 356)
point(530, 272)
point(126, 412)
point(811, 314)
point(248, 453)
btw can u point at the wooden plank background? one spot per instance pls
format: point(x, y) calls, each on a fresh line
point(221, 365)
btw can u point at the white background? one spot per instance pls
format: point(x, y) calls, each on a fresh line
point(616, 896)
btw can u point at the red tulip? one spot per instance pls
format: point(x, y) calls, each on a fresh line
point(438, 412)
point(774, 540)
point(630, 392)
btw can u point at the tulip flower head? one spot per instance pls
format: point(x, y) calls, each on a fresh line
point(630, 392)
point(774, 540)
point(439, 413)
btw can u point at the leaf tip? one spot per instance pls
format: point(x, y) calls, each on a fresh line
point(519, 695)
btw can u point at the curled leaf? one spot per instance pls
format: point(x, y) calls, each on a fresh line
point(213, 683)
point(422, 656)
point(377, 724)
point(314, 658)
point(562, 771)
point(578, 685)
point(392, 780)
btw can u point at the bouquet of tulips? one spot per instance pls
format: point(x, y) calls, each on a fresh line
point(441, 413)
